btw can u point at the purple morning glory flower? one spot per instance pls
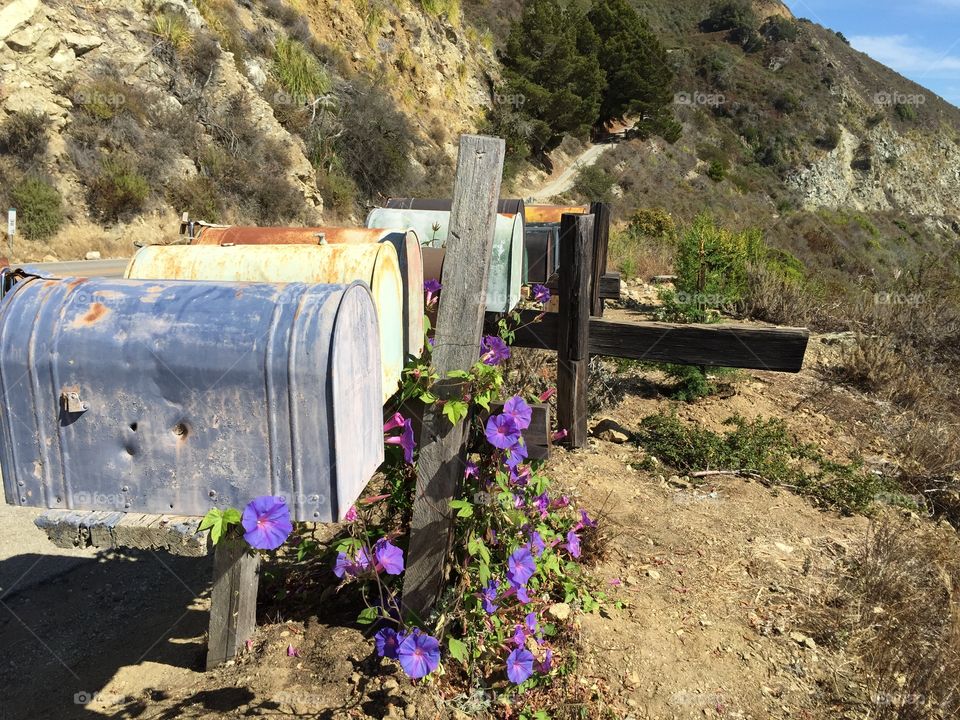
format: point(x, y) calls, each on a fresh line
point(547, 394)
point(502, 431)
point(517, 408)
point(541, 294)
point(266, 522)
point(531, 622)
point(388, 642)
point(342, 566)
point(542, 503)
point(585, 520)
point(493, 350)
point(489, 595)
point(521, 591)
point(432, 288)
point(573, 544)
point(520, 475)
point(396, 420)
point(406, 440)
point(537, 544)
point(547, 664)
point(517, 454)
point(520, 567)
point(389, 557)
point(351, 514)
point(471, 470)
point(419, 654)
point(519, 665)
point(519, 636)
point(561, 502)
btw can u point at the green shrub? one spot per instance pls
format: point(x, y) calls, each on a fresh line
point(376, 141)
point(763, 448)
point(654, 223)
point(118, 191)
point(172, 28)
point(23, 136)
point(830, 138)
point(298, 72)
point(594, 184)
point(198, 196)
point(39, 208)
point(907, 113)
point(717, 171)
point(730, 15)
point(338, 190)
point(779, 29)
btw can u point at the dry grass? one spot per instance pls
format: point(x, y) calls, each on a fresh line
point(636, 257)
point(894, 610)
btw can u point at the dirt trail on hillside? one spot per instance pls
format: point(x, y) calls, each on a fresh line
point(565, 179)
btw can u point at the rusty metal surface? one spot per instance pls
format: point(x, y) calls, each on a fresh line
point(173, 397)
point(404, 242)
point(506, 263)
point(544, 214)
point(508, 206)
point(376, 264)
point(245, 235)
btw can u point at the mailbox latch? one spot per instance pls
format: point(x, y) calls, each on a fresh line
point(70, 400)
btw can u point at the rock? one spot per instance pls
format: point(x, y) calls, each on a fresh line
point(610, 430)
point(92, 255)
point(25, 38)
point(256, 73)
point(82, 44)
point(410, 711)
point(678, 482)
point(49, 258)
point(559, 611)
point(16, 14)
point(390, 684)
point(800, 639)
point(653, 574)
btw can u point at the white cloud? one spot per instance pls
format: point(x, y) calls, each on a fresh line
point(904, 55)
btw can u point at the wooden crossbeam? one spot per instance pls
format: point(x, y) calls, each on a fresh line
point(779, 349)
point(609, 285)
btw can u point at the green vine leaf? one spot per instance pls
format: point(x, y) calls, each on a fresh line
point(463, 507)
point(458, 649)
point(219, 522)
point(455, 410)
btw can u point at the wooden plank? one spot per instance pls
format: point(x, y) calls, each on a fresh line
point(601, 238)
point(779, 349)
point(456, 347)
point(609, 285)
point(573, 336)
point(171, 533)
point(233, 600)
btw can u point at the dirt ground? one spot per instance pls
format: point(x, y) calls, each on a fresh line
point(710, 576)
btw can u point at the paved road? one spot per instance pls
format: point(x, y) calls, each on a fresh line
point(81, 268)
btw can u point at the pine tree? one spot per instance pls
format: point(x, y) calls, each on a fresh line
point(551, 72)
point(637, 68)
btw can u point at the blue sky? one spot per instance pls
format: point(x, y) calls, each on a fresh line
point(919, 39)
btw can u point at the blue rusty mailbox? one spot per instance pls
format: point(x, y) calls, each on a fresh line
point(173, 396)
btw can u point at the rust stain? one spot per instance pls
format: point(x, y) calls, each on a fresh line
point(541, 214)
point(244, 235)
point(94, 314)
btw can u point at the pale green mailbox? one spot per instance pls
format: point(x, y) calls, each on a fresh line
point(506, 262)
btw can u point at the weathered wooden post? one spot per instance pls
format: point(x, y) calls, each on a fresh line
point(456, 346)
point(601, 239)
point(233, 600)
point(573, 349)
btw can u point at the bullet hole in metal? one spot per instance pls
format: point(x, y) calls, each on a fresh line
point(180, 430)
point(133, 426)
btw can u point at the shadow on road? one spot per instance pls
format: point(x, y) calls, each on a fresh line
point(67, 636)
